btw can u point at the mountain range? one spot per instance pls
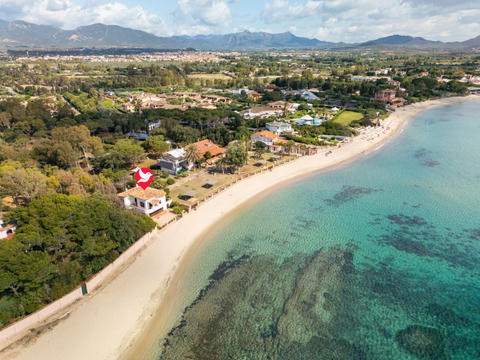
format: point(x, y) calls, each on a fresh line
point(21, 34)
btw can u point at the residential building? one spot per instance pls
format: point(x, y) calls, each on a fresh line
point(364, 78)
point(245, 90)
point(139, 136)
point(471, 79)
point(385, 96)
point(394, 83)
point(174, 161)
point(284, 105)
point(6, 230)
point(382, 72)
point(305, 94)
point(255, 96)
point(149, 201)
point(206, 145)
point(276, 108)
point(261, 112)
point(272, 141)
point(398, 102)
point(278, 104)
point(214, 99)
point(444, 80)
point(308, 95)
point(265, 136)
point(474, 91)
point(128, 106)
point(154, 125)
point(279, 128)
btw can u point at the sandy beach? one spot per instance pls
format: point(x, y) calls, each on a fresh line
point(116, 320)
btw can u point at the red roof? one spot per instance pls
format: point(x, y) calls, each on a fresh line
point(141, 194)
point(267, 134)
point(207, 145)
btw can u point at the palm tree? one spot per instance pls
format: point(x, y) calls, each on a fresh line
point(192, 155)
point(288, 146)
point(247, 143)
point(221, 164)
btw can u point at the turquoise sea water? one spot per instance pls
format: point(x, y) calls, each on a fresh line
point(377, 260)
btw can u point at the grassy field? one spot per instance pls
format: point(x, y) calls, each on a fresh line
point(346, 117)
point(209, 77)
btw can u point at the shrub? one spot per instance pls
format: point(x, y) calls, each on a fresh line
point(170, 181)
point(178, 209)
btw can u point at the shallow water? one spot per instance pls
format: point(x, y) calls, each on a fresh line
point(376, 260)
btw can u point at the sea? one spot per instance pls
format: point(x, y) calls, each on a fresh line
point(378, 259)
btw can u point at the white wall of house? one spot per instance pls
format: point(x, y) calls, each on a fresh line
point(5, 231)
point(264, 139)
point(279, 129)
point(146, 206)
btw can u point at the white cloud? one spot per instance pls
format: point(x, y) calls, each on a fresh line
point(68, 15)
point(205, 16)
point(360, 20)
point(333, 20)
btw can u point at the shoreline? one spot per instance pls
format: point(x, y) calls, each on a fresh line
point(126, 312)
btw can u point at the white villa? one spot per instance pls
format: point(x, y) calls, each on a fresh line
point(271, 140)
point(174, 161)
point(149, 201)
point(279, 128)
point(261, 112)
point(6, 230)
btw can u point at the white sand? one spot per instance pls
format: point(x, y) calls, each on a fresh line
point(103, 324)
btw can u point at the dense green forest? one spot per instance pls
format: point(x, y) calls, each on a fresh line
point(60, 241)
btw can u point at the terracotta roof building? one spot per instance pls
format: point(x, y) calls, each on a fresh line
point(255, 96)
point(271, 140)
point(206, 145)
point(148, 201)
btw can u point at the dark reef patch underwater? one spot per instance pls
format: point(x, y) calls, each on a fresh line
point(262, 309)
point(312, 307)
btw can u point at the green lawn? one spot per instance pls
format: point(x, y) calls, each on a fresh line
point(346, 117)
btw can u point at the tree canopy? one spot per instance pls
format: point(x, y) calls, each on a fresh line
point(60, 241)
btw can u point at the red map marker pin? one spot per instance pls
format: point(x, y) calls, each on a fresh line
point(144, 177)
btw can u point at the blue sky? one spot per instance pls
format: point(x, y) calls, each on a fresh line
point(332, 20)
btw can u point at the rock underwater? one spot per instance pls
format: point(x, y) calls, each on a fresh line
point(263, 309)
point(422, 342)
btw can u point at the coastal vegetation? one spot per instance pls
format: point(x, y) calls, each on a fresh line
point(60, 241)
